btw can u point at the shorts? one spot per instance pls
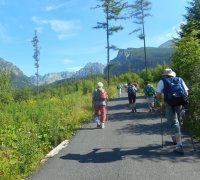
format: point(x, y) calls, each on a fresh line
point(131, 99)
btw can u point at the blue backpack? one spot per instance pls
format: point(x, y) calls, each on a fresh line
point(174, 92)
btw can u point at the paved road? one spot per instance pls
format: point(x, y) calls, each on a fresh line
point(129, 148)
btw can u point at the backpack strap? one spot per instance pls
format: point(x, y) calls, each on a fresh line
point(166, 82)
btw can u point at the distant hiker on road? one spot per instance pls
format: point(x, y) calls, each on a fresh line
point(99, 99)
point(137, 86)
point(131, 90)
point(119, 90)
point(175, 96)
point(150, 95)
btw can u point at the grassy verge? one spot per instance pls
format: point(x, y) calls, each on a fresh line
point(30, 129)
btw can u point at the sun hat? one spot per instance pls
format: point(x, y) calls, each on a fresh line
point(100, 84)
point(169, 72)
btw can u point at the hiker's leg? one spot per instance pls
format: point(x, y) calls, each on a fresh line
point(130, 101)
point(152, 103)
point(103, 113)
point(134, 103)
point(172, 117)
point(96, 113)
point(149, 103)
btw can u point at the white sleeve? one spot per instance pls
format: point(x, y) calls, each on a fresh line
point(185, 86)
point(160, 86)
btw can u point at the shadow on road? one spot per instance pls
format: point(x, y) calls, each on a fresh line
point(153, 153)
point(139, 129)
point(133, 116)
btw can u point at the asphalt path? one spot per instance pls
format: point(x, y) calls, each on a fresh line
point(129, 148)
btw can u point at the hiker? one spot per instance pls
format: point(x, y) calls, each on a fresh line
point(131, 90)
point(137, 86)
point(99, 101)
point(172, 109)
point(125, 87)
point(119, 90)
point(150, 95)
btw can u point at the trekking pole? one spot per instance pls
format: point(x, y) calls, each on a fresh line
point(161, 112)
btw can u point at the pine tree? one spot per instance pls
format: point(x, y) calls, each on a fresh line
point(139, 11)
point(112, 10)
point(36, 54)
point(192, 19)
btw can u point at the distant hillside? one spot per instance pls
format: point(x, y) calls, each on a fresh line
point(50, 77)
point(132, 59)
point(167, 44)
point(18, 79)
point(88, 69)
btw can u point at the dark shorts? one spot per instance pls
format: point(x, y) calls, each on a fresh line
point(131, 98)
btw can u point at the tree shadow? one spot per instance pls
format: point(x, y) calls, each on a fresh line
point(119, 99)
point(133, 116)
point(138, 129)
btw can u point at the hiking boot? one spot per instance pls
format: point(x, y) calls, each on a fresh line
point(149, 110)
point(103, 125)
point(132, 110)
point(135, 109)
point(153, 110)
point(179, 150)
point(174, 140)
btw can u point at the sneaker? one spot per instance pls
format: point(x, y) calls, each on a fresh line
point(98, 125)
point(179, 150)
point(103, 125)
point(174, 140)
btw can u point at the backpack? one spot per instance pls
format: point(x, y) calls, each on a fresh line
point(100, 95)
point(174, 92)
point(119, 86)
point(131, 90)
point(150, 90)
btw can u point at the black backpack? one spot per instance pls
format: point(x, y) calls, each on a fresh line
point(131, 90)
point(174, 92)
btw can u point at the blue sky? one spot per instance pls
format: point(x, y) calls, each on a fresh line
point(67, 40)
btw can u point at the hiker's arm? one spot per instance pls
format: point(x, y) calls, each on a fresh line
point(158, 96)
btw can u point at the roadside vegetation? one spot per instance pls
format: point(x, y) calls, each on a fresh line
point(33, 123)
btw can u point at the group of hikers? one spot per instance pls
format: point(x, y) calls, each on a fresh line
point(175, 97)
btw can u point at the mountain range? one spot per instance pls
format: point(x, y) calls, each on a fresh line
point(131, 59)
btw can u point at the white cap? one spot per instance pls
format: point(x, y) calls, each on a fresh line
point(100, 84)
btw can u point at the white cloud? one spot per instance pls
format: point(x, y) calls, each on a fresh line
point(67, 61)
point(64, 29)
point(74, 69)
point(175, 30)
point(55, 7)
point(61, 26)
